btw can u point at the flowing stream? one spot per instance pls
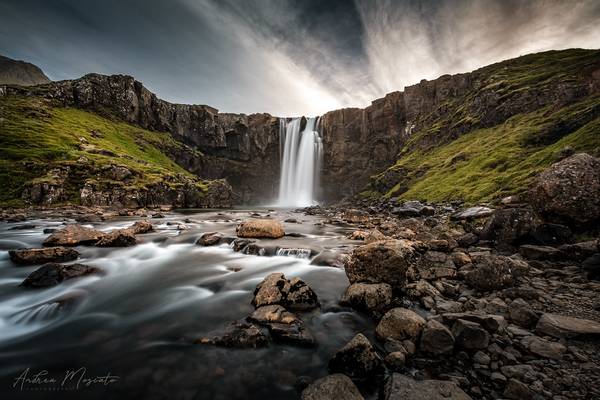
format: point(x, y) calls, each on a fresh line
point(301, 155)
point(138, 321)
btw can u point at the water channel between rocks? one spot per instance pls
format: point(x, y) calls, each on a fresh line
point(138, 321)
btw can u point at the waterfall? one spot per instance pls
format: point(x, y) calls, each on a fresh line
point(301, 154)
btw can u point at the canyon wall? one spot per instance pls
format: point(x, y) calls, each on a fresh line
point(358, 143)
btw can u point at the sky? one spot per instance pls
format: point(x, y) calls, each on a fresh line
point(285, 57)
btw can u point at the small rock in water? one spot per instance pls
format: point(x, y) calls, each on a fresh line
point(43, 255)
point(332, 387)
point(358, 360)
point(260, 228)
point(239, 335)
point(52, 274)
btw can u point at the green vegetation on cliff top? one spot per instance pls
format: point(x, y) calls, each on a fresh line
point(36, 137)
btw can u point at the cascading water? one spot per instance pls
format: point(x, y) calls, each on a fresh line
point(301, 154)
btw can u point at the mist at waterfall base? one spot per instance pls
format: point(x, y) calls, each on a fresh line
point(301, 153)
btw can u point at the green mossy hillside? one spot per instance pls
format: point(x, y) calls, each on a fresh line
point(36, 139)
point(487, 164)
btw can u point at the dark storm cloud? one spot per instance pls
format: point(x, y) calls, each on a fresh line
point(286, 57)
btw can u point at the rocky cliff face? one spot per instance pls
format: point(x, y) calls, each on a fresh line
point(242, 148)
point(13, 72)
point(358, 143)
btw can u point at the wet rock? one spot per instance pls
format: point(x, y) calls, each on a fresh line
point(481, 358)
point(533, 252)
point(517, 390)
point(332, 387)
point(400, 387)
point(357, 359)
point(273, 314)
point(260, 228)
point(400, 323)
point(238, 335)
point(436, 338)
point(371, 297)
point(140, 227)
point(492, 272)
point(52, 274)
point(562, 326)
point(569, 190)
point(294, 334)
point(73, 235)
point(472, 213)
point(117, 238)
point(43, 255)
point(470, 335)
point(386, 261)
point(358, 235)
point(543, 348)
point(293, 295)
point(209, 239)
point(330, 258)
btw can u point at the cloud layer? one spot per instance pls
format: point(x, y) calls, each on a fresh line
point(286, 57)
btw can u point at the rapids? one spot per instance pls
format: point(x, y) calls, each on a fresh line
point(139, 319)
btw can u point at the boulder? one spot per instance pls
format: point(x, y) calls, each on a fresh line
point(543, 348)
point(273, 314)
point(436, 265)
point(386, 261)
point(400, 387)
point(470, 335)
point(43, 255)
point(562, 326)
point(260, 228)
point(522, 314)
point(140, 227)
point(117, 238)
point(52, 274)
point(209, 239)
point(371, 297)
point(332, 387)
point(492, 272)
point(355, 216)
point(73, 235)
point(294, 334)
point(358, 360)
point(569, 190)
point(493, 323)
point(238, 335)
point(436, 338)
point(396, 360)
point(472, 213)
point(276, 289)
point(517, 390)
point(510, 226)
point(374, 236)
point(400, 323)
point(580, 251)
point(541, 253)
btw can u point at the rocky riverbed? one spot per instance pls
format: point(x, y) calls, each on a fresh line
point(389, 299)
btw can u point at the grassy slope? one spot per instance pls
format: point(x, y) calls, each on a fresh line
point(36, 137)
point(485, 164)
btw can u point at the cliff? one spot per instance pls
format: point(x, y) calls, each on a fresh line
point(468, 136)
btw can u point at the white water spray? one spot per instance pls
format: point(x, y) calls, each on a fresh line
point(301, 154)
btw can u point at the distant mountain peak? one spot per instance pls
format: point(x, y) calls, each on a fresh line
point(15, 72)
